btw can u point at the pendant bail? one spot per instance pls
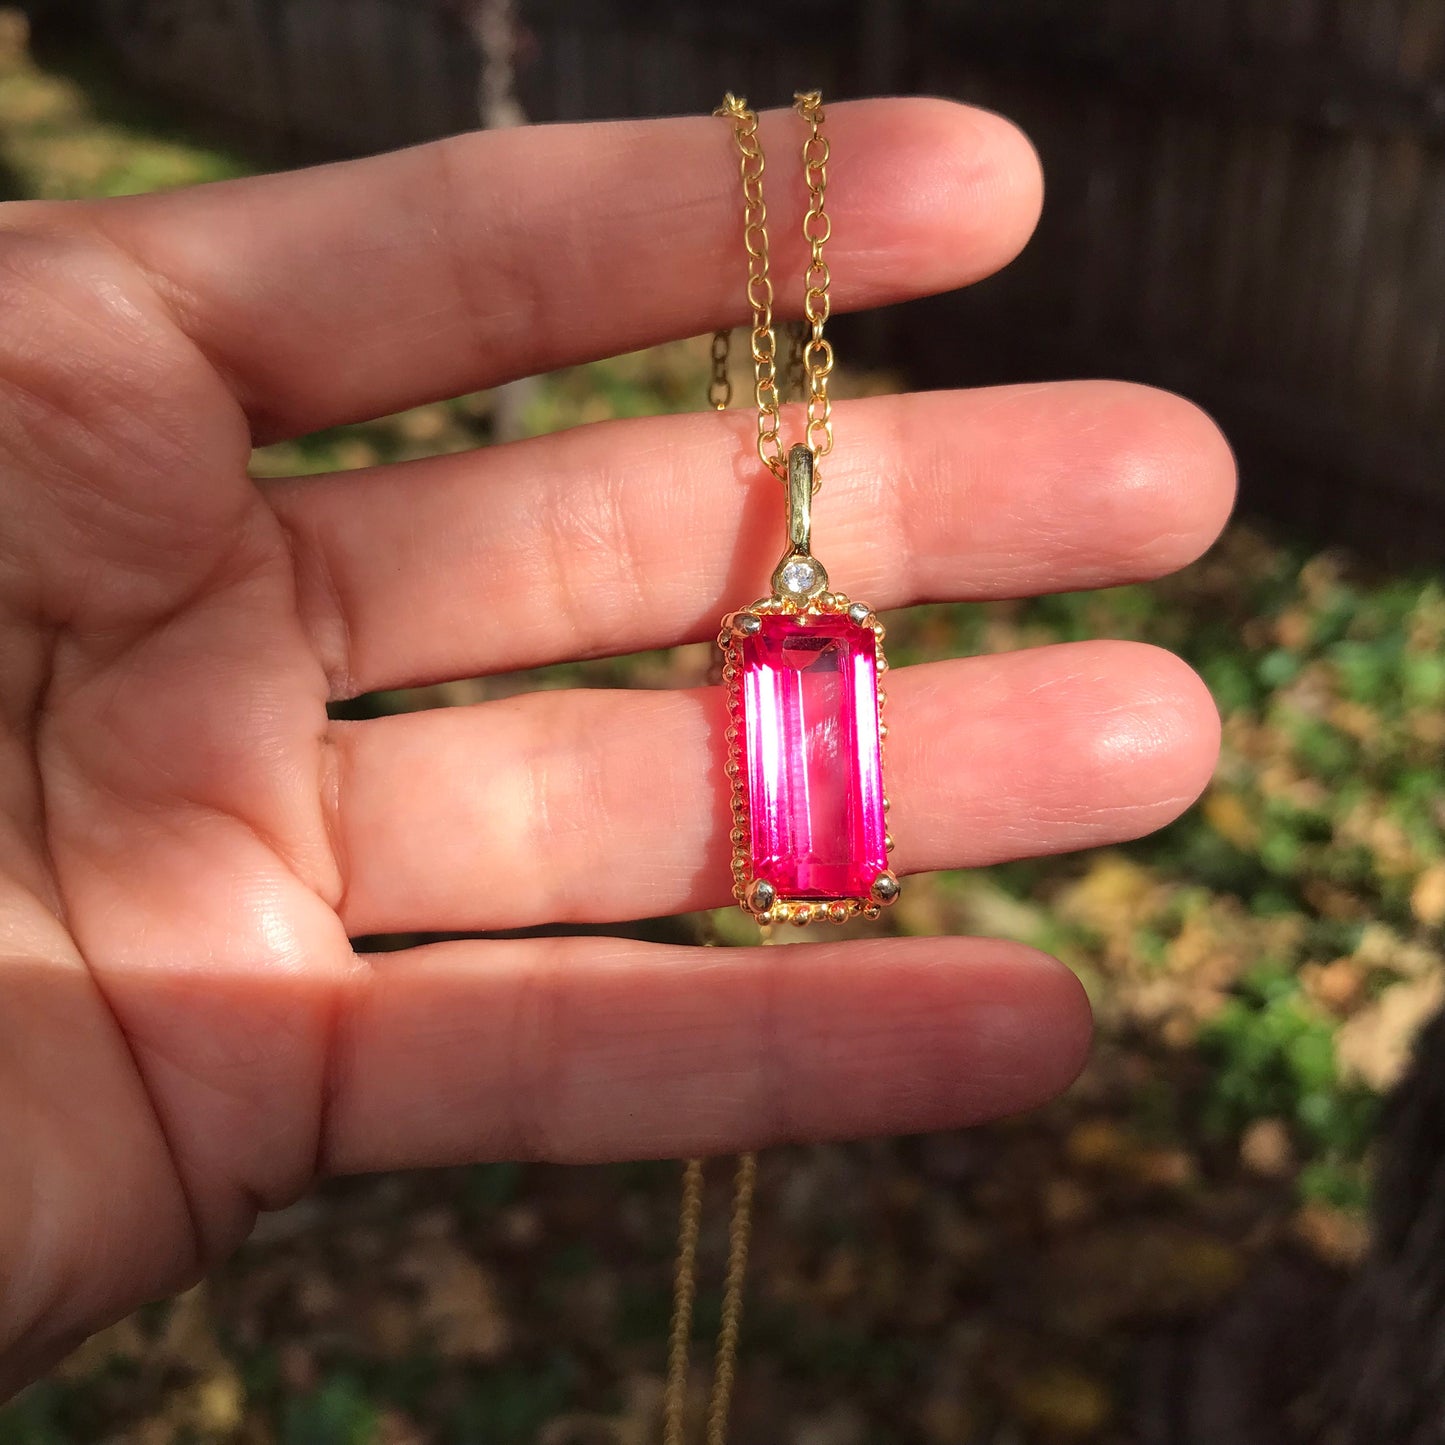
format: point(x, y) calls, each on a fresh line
point(799, 577)
point(800, 498)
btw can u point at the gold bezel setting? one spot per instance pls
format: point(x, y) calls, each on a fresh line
point(755, 896)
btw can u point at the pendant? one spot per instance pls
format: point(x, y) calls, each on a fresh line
point(805, 735)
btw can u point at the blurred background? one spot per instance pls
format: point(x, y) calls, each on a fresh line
point(1232, 1230)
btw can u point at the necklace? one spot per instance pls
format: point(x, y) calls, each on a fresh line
point(801, 666)
point(802, 670)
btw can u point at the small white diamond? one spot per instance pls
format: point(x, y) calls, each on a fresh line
point(799, 576)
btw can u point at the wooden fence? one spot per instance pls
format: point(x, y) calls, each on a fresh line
point(1246, 198)
point(309, 78)
point(1246, 201)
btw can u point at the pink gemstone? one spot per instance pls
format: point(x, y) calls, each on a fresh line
point(815, 785)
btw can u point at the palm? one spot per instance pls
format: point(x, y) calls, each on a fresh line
point(173, 882)
point(186, 1035)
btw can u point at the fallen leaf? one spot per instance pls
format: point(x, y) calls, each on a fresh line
point(1374, 1046)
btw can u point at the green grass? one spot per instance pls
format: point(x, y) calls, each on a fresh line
point(78, 135)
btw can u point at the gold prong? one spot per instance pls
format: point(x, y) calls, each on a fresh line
point(761, 895)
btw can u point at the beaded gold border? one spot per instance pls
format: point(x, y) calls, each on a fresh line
point(754, 895)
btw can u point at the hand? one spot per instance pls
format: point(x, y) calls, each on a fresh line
point(186, 1035)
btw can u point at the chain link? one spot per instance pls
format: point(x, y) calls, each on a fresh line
point(720, 386)
point(817, 228)
point(813, 365)
point(764, 341)
point(795, 387)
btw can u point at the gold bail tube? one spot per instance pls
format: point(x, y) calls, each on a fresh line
point(800, 499)
point(799, 577)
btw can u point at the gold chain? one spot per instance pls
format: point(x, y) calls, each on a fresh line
point(795, 379)
point(684, 1293)
point(796, 387)
point(805, 378)
point(817, 228)
point(815, 356)
point(720, 386)
point(740, 1230)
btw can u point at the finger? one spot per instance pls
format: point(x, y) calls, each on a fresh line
point(597, 806)
point(642, 533)
point(582, 1050)
point(353, 290)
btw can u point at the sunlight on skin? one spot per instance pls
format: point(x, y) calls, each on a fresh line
point(186, 1035)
